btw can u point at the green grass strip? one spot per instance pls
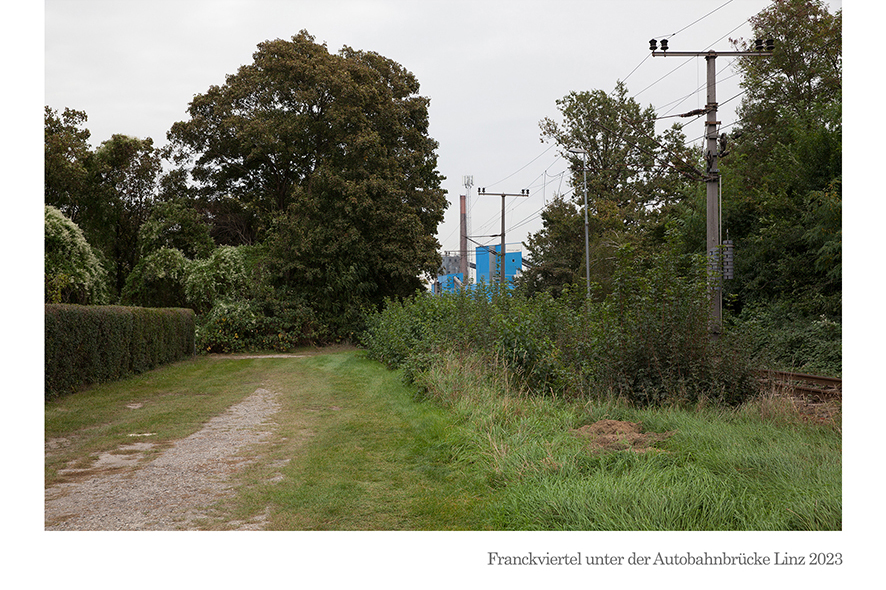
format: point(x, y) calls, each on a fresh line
point(353, 448)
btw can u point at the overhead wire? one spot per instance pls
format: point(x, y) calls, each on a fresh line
point(648, 55)
point(660, 164)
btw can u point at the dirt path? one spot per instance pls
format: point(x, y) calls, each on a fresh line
point(171, 491)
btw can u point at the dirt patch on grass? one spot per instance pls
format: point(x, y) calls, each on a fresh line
point(614, 435)
point(119, 490)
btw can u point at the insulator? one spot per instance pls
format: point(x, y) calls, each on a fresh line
point(758, 44)
point(770, 45)
point(664, 44)
point(653, 44)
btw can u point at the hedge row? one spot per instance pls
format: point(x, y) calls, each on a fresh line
point(92, 344)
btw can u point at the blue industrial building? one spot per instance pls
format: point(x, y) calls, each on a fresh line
point(487, 266)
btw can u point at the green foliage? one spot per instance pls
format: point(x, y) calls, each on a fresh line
point(557, 251)
point(823, 221)
point(254, 325)
point(93, 344)
point(630, 192)
point(72, 271)
point(330, 163)
point(625, 191)
point(647, 341)
point(158, 280)
point(174, 225)
point(124, 173)
point(66, 154)
point(782, 202)
point(652, 341)
point(222, 275)
point(780, 337)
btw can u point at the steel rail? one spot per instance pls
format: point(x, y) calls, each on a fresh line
point(803, 382)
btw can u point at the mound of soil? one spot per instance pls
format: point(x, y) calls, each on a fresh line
point(614, 435)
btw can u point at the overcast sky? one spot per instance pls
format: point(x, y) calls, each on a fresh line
point(492, 70)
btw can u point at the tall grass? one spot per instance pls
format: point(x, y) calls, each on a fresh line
point(742, 468)
point(519, 374)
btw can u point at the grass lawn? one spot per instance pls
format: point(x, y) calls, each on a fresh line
point(355, 449)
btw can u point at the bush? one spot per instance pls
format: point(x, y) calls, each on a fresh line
point(777, 337)
point(72, 271)
point(242, 325)
point(651, 342)
point(93, 344)
point(648, 341)
point(221, 275)
point(157, 280)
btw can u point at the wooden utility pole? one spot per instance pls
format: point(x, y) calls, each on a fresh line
point(712, 154)
point(523, 193)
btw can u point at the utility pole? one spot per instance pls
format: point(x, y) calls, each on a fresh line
point(468, 181)
point(712, 154)
point(523, 193)
point(584, 176)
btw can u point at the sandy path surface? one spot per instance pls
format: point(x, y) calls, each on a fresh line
point(169, 492)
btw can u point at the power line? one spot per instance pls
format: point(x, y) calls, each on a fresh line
point(522, 168)
point(674, 34)
point(659, 164)
point(701, 19)
point(743, 23)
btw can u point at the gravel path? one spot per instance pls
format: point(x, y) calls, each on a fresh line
point(169, 492)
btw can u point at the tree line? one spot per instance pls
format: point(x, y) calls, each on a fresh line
point(303, 192)
point(306, 181)
point(782, 176)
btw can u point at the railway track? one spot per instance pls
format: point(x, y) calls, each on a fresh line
point(800, 383)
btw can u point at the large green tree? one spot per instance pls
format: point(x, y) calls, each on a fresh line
point(125, 176)
point(108, 192)
point(327, 158)
point(66, 160)
point(783, 177)
point(173, 224)
point(634, 178)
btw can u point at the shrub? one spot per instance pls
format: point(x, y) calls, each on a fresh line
point(242, 325)
point(648, 341)
point(221, 275)
point(780, 338)
point(157, 280)
point(652, 342)
point(93, 344)
point(72, 271)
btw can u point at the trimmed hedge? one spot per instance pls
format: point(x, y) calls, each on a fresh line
point(87, 344)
